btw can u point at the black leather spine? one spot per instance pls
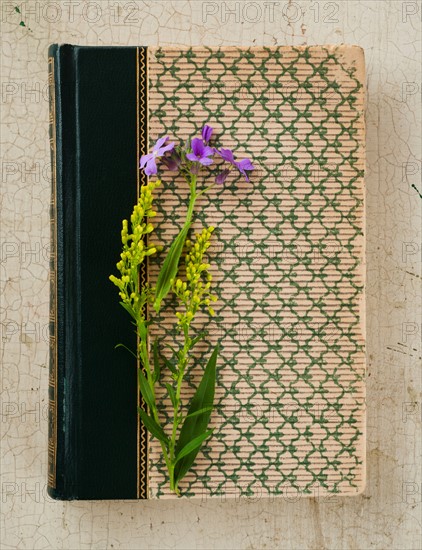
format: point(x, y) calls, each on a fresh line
point(93, 427)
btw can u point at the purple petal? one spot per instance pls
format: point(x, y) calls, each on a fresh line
point(160, 142)
point(244, 174)
point(206, 161)
point(207, 133)
point(145, 159)
point(198, 147)
point(245, 164)
point(172, 162)
point(222, 176)
point(151, 167)
point(161, 150)
point(192, 157)
point(208, 151)
point(226, 154)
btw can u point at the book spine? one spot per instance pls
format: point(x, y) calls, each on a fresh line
point(61, 447)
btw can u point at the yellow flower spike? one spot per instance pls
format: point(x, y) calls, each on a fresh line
point(212, 312)
point(150, 251)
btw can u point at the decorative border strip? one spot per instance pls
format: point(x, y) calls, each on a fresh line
point(52, 382)
point(142, 146)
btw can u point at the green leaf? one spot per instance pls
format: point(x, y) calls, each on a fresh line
point(170, 366)
point(169, 268)
point(205, 409)
point(195, 425)
point(193, 445)
point(156, 356)
point(128, 309)
point(171, 393)
point(152, 426)
point(126, 348)
point(200, 336)
point(146, 390)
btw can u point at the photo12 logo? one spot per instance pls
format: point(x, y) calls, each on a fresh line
point(29, 13)
point(271, 12)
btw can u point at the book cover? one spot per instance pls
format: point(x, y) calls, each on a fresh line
point(290, 411)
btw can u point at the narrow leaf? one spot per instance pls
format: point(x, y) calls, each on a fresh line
point(170, 366)
point(196, 413)
point(196, 425)
point(152, 426)
point(146, 390)
point(169, 268)
point(128, 309)
point(126, 348)
point(171, 394)
point(193, 445)
point(156, 356)
point(200, 336)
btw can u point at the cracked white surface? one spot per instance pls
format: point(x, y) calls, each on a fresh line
point(388, 514)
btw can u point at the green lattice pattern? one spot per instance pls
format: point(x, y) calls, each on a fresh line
point(296, 411)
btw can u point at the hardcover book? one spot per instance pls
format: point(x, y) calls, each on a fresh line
point(289, 416)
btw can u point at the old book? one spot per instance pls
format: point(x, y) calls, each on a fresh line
point(288, 255)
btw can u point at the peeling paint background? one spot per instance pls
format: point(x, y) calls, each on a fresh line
point(388, 515)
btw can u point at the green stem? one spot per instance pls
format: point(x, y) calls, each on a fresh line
point(143, 352)
point(192, 199)
point(169, 455)
point(183, 362)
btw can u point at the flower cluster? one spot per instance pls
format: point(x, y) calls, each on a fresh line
point(182, 442)
point(135, 249)
point(195, 291)
point(189, 159)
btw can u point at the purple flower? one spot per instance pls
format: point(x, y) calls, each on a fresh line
point(200, 152)
point(243, 166)
point(172, 162)
point(221, 177)
point(148, 163)
point(207, 133)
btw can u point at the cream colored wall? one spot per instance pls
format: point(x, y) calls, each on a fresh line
point(388, 514)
